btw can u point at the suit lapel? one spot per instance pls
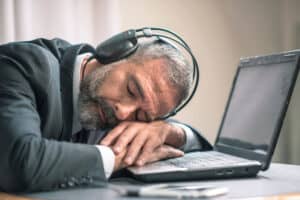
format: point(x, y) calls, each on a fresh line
point(66, 79)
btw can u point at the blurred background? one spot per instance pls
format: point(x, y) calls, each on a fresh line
point(219, 33)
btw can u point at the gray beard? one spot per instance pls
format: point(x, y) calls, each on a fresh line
point(88, 101)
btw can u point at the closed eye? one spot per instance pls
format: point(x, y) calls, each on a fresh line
point(130, 92)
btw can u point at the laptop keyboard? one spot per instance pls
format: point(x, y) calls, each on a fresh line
point(198, 160)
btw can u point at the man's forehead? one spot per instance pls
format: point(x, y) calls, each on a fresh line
point(157, 87)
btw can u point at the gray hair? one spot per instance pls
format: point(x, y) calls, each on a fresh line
point(178, 70)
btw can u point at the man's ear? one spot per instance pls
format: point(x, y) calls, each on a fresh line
point(89, 65)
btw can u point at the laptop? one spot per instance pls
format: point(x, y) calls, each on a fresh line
point(249, 129)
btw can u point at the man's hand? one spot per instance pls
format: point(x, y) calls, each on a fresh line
point(140, 140)
point(162, 152)
point(119, 161)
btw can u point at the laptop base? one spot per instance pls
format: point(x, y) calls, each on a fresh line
point(222, 173)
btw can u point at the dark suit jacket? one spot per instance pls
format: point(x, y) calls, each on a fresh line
point(36, 109)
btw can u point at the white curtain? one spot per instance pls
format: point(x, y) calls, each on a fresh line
point(89, 21)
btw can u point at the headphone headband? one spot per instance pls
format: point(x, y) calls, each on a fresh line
point(124, 44)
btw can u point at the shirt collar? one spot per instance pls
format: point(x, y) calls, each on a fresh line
point(76, 126)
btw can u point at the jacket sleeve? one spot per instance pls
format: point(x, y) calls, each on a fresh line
point(28, 161)
point(205, 145)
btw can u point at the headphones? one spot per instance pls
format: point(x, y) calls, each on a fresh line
point(126, 43)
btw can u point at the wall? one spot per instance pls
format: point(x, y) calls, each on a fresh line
point(288, 148)
point(220, 32)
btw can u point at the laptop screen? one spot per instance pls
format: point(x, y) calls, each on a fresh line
point(256, 105)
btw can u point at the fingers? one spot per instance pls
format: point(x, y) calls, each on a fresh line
point(111, 137)
point(148, 149)
point(162, 152)
point(143, 142)
point(119, 161)
point(131, 136)
point(135, 148)
point(122, 142)
point(151, 145)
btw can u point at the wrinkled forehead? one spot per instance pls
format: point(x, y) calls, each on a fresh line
point(157, 86)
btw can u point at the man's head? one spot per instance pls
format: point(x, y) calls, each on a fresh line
point(143, 87)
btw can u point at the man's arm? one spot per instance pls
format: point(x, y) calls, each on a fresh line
point(141, 139)
point(30, 162)
point(193, 139)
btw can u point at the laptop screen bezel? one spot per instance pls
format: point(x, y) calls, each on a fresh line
point(254, 62)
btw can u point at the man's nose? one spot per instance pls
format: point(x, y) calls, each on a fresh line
point(125, 111)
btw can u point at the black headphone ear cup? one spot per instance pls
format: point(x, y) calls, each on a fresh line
point(117, 47)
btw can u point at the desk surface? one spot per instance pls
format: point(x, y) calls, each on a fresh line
point(279, 179)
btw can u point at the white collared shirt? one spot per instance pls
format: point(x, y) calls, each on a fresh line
point(108, 157)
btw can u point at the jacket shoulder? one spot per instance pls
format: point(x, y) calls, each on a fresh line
point(37, 62)
point(54, 46)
